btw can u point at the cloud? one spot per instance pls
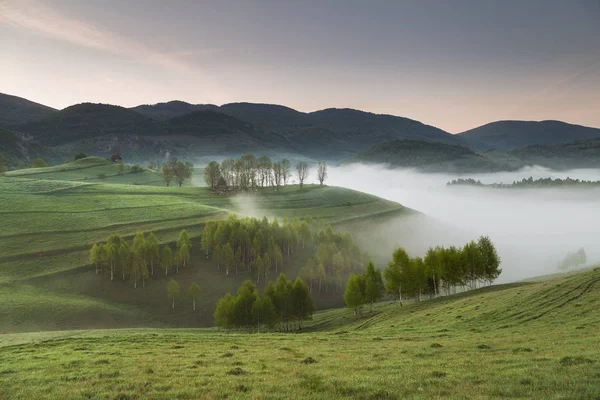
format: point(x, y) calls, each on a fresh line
point(45, 21)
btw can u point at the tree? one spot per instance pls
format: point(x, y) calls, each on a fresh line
point(167, 174)
point(285, 170)
point(322, 172)
point(393, 273)
point(224, 313)
point(282, 291)
point(182, 172)
point(173, 291)
point(302, 303)
point(152, 250)
point(277, 174)
point(302, 171)
point(39, 163)
point(194, 293)
point(491, 259)
point(184, 244)
point(167, 259)
point(96, 257)
point(263, 312)
point(124, 258)
point(354, 295)
point(2, 164)
point(79, 156)
point(122, 168)
point(212, 173)
point(245, 298)
point(374, 288)
point(139, 269)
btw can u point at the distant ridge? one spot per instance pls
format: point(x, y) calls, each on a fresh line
point(15, 110)
point(509, 135)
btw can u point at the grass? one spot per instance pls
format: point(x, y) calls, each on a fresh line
point(50, 218)
point(530, 341)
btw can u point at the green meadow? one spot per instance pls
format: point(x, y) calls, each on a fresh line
point(526, 340)
point(51, 217)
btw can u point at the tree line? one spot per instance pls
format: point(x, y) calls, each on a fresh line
point(137, 261)
point(259, 248)
point(441, 270)
point(250, 171)
point(525, 182)
point(282, 304)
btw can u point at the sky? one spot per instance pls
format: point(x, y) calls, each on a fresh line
point(452, 64)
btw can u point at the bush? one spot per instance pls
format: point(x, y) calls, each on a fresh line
point(136, 168)
point(79, 156)
point(39, 163)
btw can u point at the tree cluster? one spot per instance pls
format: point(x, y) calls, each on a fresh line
point(259, 247)
point(442, 269)
point(282, 304)
point(526, 182)
point(173, 292)
point(136, 261)
point(573, 260)
point(365, 288)
point(177, 171)
point(249, 172)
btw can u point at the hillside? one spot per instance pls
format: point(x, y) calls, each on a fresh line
point(50, 224)
point(427, 156)
point(524, 340)
point(20, 150)
point(171, 109)
point(88, 120)
point(16, 110)
point(510, 135)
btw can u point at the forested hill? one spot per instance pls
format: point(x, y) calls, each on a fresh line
point(510, 135)
point(427, 156)
point(15, 110)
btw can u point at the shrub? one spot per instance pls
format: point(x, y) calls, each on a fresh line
point(79, 156)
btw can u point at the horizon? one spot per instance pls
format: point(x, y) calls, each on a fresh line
point(418, 60)
point(312, 111)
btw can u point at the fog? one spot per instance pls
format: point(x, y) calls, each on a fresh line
point(533, 229)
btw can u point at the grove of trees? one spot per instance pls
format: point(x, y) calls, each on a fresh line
point(249, 172)
point(442, 269)
point(573, 260)
point(137, 261)
point(260, 248)
point(282, 304)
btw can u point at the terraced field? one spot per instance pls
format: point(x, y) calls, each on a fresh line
point(527, 341)
point(51, 217)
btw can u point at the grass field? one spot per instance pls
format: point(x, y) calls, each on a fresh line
point(527, 341)
point(50, 217)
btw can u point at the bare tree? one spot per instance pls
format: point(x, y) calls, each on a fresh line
point(277, 174)
point(322, 172)
point(302, 170)
point(285, 170)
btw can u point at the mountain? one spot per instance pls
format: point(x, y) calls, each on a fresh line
point(428, 157)
point(87, 120)
point(171, 109)
point(581, 154)
point(16, 110)
point(18, 150)
point(332, 133)
point(509, 135)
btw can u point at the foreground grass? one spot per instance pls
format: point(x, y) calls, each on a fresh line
point(537, 340)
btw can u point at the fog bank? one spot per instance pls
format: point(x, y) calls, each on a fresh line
point(532, 228)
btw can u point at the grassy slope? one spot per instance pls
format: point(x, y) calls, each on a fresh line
point(535, 340)
point(49, 223)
